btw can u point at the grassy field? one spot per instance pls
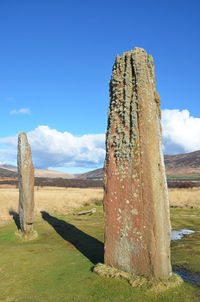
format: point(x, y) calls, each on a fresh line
point(48, 199)
point(185, 198)
point(63, 200)
point(57, 266)
point(188, 177)
point(186, 252)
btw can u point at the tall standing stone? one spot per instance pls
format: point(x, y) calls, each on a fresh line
point(137, 230)
point(26, 184)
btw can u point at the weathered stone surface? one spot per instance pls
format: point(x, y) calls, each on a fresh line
point(26, 184)
point(137, 230)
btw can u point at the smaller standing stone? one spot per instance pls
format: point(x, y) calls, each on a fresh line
point(26, 184)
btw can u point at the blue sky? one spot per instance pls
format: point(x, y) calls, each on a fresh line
point(56, 60)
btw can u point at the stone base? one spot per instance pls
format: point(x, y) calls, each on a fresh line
point(148, 283)
point(26, 236)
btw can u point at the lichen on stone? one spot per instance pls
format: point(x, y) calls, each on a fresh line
point(133, 141)
point(122, 115)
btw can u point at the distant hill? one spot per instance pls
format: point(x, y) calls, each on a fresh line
point(186, 164)
point(95, 174)
point(7, 173)
point(38, 172)
point(9, 167)
point(183, 164)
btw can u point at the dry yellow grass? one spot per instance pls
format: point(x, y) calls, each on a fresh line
point(185, 198)
point(64, 200)
point(49, 199)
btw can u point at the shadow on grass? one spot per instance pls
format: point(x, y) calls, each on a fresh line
point(15, 216)
point(90, 247)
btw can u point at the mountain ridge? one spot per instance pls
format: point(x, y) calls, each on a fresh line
point(185, 164)
point(38, 172)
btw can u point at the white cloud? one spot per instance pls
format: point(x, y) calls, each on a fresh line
point(181, 131)
point(8, 155)
point(20, 111)
point(51, 148)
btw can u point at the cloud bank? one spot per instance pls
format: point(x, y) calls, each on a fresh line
point(51, 148)
point(20, 111)
point(181, 131)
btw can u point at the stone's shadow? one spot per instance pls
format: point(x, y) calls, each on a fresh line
point(90, 247)
point(15, 216)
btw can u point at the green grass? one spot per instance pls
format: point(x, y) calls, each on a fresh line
point(57, 266)
point(177, 177)
point(186, 252)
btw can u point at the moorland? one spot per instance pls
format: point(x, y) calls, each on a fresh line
point(58, 264)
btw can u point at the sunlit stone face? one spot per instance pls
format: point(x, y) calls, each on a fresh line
point(137, 230)
point(26, 184)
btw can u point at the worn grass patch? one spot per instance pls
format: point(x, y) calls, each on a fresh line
point(57, 265)
point(144, 282)
point(26, 237)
